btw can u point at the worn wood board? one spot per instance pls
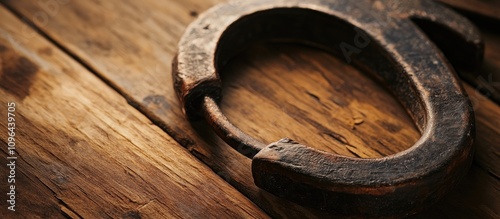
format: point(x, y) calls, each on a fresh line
point(84, 152)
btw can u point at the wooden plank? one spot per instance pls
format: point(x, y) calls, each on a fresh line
point(488, 79)
point(42, 203)
point(84, 152)
point(473, 198)
point(130, 45)
point(485, 8)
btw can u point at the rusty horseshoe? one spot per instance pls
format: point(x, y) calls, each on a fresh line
point(408, 42)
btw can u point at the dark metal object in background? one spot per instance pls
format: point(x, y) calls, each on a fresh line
point(400, 53)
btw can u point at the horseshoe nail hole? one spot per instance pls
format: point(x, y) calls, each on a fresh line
point(273, 91)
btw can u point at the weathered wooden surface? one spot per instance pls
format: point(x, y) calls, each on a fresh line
point(490, 8)
point(326, 103)
point(488, 80)
point(84, 152)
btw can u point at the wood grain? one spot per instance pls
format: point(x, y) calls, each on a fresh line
point(84, 152)
point(325, 103)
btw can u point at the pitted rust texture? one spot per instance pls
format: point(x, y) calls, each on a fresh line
point(400, 53)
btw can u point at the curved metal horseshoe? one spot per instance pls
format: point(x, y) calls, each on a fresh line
point(388, 37)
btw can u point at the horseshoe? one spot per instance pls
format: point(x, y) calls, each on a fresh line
point(402, 43)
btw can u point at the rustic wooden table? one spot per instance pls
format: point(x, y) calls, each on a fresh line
point(99, 131)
